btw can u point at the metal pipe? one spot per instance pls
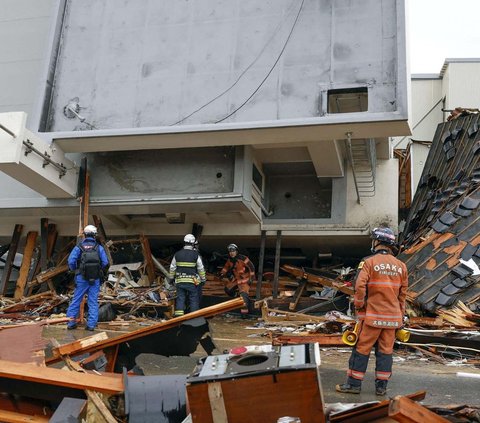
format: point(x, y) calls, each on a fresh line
point(62, 170)
point(7, 131)
point(350, 159)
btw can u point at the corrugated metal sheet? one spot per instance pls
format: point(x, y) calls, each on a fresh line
point(443, 226)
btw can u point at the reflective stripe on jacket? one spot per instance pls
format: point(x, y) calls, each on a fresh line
point(187, 266)
point(242, 268)
point(380, 290)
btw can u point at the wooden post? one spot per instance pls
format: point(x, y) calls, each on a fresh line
point(43, 243)
point(51, 241)
point(277, 264)
point(12, 251)
point(25, 267)
point(261, 259)
point(102, 236)
point(147, 254)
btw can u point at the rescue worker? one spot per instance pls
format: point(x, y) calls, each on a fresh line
point(380, 291)
point(90, 263)
point(241, 273)
point(189, 274)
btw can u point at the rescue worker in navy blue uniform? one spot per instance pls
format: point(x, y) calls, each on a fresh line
point(380, 292)
point(189, 274)
point(83, 286)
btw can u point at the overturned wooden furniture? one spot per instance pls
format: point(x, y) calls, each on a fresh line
point(137, 341)
point(262, 386)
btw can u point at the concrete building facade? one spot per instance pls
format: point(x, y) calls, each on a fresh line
point(241, 116)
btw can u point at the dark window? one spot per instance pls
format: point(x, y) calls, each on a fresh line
point(257, 178)
point(348, 100)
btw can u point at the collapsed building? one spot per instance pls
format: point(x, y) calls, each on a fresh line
point(244, 119)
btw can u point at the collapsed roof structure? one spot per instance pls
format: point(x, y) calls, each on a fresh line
point(442, 232)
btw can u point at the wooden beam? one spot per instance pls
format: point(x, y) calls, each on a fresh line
point(276, 269)
point(49, 274)
point(51, 240)
point(25, 267)
point(261, 260)
point(318, 280)
point(12, 251)
point(376, 411)
point(403, 409)
point(43, 243)
point(103, 414)
point(102, 237)
point(139, 333)
point(14, 417)
point(147, 254)
point(58, 377)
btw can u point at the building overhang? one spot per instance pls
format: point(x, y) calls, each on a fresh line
point(360, 125)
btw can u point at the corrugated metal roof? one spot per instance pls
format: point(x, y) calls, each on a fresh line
point(443, 226)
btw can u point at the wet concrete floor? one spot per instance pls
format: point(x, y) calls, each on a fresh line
point(440, 381)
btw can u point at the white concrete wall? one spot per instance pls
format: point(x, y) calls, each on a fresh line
point(383, 207)
point(426, 92)
point(461, 85)
point(25, 28)
point(418, 154)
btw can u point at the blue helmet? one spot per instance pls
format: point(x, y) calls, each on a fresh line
point(384, 235)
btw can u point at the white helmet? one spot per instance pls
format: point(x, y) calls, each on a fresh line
point(189, 239)
point(90, 229)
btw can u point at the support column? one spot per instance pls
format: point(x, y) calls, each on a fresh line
point(261, 259)
point(277, 264)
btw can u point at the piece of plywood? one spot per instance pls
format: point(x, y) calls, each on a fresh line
point(12, 251)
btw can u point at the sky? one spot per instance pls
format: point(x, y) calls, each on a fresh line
point(440, 29)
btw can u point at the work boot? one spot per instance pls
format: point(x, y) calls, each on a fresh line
point(89, 328)
point(346, 388)
point(71, 327)
point(381, 388)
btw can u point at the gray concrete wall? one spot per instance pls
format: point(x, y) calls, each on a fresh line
point(143, 64)
point(25, 29)
point(139, 174)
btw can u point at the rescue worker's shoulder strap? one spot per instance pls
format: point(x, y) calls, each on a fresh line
point(242, 257)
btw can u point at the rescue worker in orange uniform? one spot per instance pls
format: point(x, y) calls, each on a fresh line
point(380, 291)
point(241, 273)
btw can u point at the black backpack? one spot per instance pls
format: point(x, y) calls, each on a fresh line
point(90, 265)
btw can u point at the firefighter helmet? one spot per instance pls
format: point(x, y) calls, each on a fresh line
point(384, 235)
point(90, 230)
point(189, 239)
point(232, 247)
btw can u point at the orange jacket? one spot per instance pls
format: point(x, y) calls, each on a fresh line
point(380, 290)
point(241, 267)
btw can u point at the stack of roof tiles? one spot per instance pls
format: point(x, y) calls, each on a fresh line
point(443, 227)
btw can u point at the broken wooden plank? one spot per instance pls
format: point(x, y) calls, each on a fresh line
point(12, 251)
point(100, 413)
point(376, 411)
point(321, 339)
point(58, 377)
point(82, 343)
point(25, 267)
point(49, 274)
point(139, 333)
point(316, 279)
point(403, 409)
